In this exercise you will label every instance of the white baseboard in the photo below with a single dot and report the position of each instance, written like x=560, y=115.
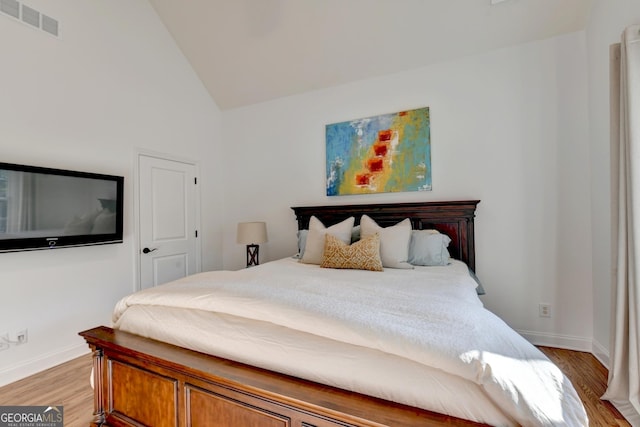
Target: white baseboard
x=601, y=353
x=560, y=341
x=569, y=342
x=32, y=366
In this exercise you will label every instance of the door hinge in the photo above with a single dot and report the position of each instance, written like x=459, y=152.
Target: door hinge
x=195, y=181
x=196, y=234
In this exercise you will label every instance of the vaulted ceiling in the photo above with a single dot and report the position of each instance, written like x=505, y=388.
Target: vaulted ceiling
x=250, y=51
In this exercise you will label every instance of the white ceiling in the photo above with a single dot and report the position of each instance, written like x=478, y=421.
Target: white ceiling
x=250, y=51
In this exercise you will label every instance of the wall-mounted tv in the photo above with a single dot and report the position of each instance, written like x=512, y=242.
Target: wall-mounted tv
x=44, y=208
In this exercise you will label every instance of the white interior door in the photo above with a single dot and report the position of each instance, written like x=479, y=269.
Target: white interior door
x=168, y=232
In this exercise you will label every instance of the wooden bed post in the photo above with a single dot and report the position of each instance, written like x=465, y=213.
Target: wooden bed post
x=98, y=387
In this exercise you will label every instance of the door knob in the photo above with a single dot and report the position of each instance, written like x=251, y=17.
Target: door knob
x=147, y=250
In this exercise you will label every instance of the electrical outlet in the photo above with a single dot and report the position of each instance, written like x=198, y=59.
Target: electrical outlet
x=544, y=310
x=22, y=337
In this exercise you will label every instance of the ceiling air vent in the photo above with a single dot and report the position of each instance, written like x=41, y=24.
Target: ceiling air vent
x=30, y=16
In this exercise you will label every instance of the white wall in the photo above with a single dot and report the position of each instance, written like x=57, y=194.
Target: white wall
x=508, y=127
x=607, y=20
x=114, y=82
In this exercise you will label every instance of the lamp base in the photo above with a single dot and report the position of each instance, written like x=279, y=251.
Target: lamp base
x=252, y=255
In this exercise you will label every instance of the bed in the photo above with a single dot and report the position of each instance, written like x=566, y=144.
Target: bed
x=249, y=348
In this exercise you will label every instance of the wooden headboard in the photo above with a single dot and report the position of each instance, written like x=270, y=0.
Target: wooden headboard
x=454, y=218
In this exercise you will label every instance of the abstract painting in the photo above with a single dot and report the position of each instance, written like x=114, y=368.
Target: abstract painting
x=380, y=154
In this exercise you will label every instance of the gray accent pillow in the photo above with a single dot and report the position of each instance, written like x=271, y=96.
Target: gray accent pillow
x=479, y=287
x=428, y=248
x=355, y=234
x=302, y=242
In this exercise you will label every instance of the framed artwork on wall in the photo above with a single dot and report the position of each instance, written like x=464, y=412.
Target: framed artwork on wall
x=379, y=154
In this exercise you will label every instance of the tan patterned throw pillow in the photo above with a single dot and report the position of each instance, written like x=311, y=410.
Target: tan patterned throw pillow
x=362, y=255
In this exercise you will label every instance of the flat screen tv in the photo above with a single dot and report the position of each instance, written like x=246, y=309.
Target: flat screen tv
x=44, y=208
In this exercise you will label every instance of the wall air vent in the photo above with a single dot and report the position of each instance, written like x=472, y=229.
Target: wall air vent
x=10, y=7
x=30, y=16
x=50, y=25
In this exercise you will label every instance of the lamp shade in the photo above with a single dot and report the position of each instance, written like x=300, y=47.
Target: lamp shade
x=250, y=233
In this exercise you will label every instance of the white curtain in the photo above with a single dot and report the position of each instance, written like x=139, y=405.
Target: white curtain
x=624, y=374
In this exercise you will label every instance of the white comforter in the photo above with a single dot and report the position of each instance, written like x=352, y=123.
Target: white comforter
x=429, y=316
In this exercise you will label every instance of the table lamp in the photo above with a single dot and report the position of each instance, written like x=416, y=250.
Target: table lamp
x=252, y=234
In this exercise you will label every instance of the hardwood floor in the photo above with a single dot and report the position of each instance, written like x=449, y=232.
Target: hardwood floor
x=589, y=378
x=68, y=385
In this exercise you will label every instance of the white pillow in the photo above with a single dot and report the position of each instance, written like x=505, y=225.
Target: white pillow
x=314, y=248
x=394, y=241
